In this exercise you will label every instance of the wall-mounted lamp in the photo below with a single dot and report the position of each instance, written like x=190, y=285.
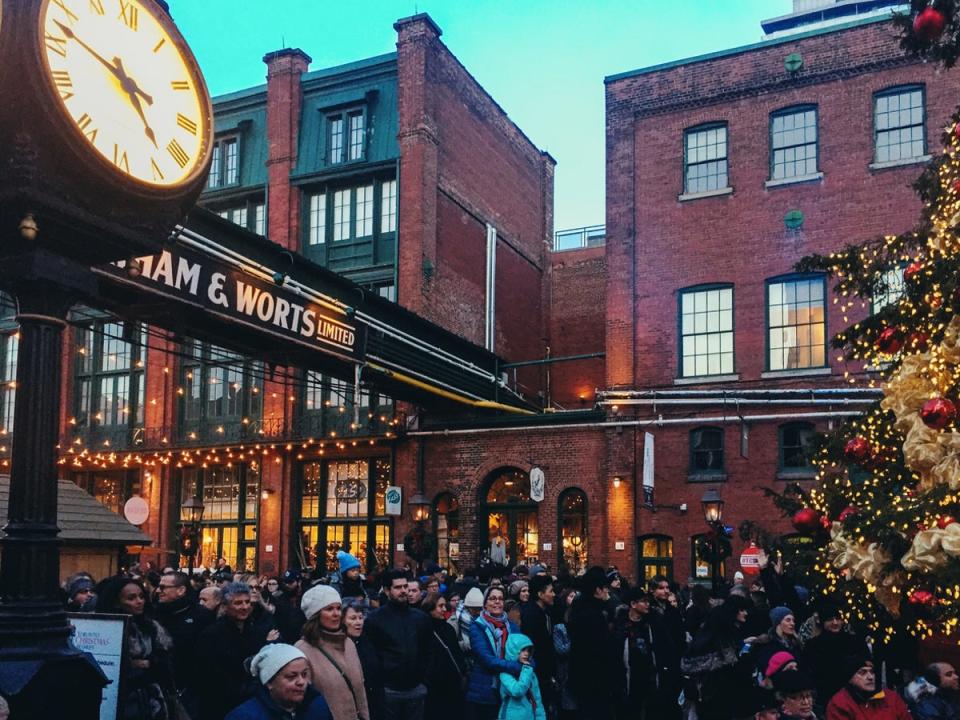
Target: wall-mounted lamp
x=617, y=481
x=266, y=493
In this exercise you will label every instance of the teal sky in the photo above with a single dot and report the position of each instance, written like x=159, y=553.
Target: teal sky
x=544, y=62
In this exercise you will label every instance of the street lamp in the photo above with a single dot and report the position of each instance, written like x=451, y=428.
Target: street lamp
x=191, y=515
x=419, y=506
x=712, y=505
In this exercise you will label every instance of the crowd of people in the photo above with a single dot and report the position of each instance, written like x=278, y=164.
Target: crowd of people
x=523, y=646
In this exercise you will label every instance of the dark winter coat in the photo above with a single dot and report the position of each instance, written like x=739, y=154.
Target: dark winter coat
x=262, y=707
x=147, y=692
x=184, y=620
x=445, y=673
x=221, y=649
x=937, y=706
x=483, y=684
x=649, y=659
x=593, y=659
x=824, y=656
x=716, y=677
x=769, y=644
x=372, y=677
x=401, y=636
x=289, y=618
x=536, y=624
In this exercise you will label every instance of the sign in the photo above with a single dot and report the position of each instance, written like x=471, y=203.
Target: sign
x=223, y=291
x=394, y=499
x=750, y=560
x=103, y=637
x=454, y=549
x=537, y=484
x=702, y=571
x=136, y=510
x=547, y=547
x=648, y=469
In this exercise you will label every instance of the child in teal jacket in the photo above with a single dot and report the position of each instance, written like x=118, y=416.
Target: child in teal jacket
x=520, y=696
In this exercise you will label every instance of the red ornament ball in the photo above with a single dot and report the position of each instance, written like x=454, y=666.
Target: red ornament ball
x=912, y=270
x=848, y=512
x=922, y=597
x=806, y=521
x=956, y=183
x=889, y=341
x=825, y=523
x=929, y=24
x=945, y=520
x=937, y=413
x=857, y=449
x=918, y=342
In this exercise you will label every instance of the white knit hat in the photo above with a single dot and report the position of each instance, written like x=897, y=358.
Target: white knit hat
x=474, y=598
x=272, y=659
x=317, y=598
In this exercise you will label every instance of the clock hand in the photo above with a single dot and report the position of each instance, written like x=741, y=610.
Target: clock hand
x=129, y=84
x=70, y=35
x=130, y=87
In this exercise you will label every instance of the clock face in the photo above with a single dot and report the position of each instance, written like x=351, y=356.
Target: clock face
x=130, y=86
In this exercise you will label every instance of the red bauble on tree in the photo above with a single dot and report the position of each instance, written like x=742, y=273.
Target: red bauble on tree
x=937, y=413
x=848, y=512
x=929, y=24
x=806, y=521
x=918, y=342
x=912, y=270
x=944, y=520
x=922, y=597
x=889, y=341
x=857, y=449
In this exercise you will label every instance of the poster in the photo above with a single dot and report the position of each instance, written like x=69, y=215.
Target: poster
x=648, y=469
x=102, y=637
x=394, y=497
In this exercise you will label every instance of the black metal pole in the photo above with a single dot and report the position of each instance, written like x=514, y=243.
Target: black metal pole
x=716, y=565
x=42, y=674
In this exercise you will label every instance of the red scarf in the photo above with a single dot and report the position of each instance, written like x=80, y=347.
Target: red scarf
x=504, y=629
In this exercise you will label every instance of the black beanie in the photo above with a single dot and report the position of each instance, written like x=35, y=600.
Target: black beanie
x=852, y=664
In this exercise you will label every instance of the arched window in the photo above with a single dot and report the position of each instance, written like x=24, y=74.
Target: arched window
x=706, y=451
x=572, y=516
x=446, y=526
x=656, y=557
x=796, y=451
x=508, y=519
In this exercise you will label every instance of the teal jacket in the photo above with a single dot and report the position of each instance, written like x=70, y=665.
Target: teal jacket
x=516, y=692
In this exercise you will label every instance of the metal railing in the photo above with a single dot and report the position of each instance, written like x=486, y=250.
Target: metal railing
x=577, y=238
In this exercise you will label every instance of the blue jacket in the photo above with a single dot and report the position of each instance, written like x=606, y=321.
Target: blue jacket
x=483, y=686
x=262, y=707
x=516, y=692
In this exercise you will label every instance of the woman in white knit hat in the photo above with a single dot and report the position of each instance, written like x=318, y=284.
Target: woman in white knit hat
x=333, y=657
x=285, y=692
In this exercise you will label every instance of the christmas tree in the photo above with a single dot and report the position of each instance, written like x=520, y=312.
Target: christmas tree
x=884, y=508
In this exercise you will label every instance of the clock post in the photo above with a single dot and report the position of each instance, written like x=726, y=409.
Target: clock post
x=104, y=148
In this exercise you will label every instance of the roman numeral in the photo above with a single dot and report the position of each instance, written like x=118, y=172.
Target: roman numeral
x=178, y=153
x=55, y=44
x=71, y=18
x=180, y=85
x=97, y=7
x=120, y=159
x=157, y=173
x=187, y=124
x=61, y=78
x=129, y=13
x=159, y=44
x=83, y=122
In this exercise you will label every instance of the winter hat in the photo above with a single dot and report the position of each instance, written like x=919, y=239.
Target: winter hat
x=490, y=589
x=291, y=575
x=272, y=659
x=347, y=561
x=778, y=614
x=78, y=585
x=738, y=577
x=317, y=598
x=754, y=700
x=828, y=610
x=474, y=598
x=432, y=568
x=778, y=661
x=852, y=664
x=796, y=681
x=537, y=570
x=516, y=587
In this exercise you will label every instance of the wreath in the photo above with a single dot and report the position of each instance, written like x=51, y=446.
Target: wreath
x=419, y=544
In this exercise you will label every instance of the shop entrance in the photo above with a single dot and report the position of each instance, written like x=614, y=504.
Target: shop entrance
x=509, y=520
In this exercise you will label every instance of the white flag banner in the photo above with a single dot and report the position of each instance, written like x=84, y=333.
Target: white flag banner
x=648, y=468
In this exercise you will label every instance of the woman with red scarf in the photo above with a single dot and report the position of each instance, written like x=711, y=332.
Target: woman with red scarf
x=488, y=646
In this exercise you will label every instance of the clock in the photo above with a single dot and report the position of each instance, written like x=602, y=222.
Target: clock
x=127, y=86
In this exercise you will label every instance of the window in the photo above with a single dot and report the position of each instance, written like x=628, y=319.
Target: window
x=335, y=138
x=898, y=119
x=109, y=381
x=796, y=447
x=793, y=143
x=508, y=519
x=796, y=323
x=446, y=527
x=573, y=529
x=656, y=557
x=343, y=507
x=259, y=219
x=889, y=289
x=317, y=223
x=224, y=163
x=387, y=291
x=327, y=408
x=341, y=215
x=249, y=215
x=356, y=135
x=9, y=346
x=706, y=451
x=111, y=488
x=230, y=496
x=705, y=159
x=388, y=206
x=220, y=394
x=364, y=224
x=701, y=552
x=706, y=332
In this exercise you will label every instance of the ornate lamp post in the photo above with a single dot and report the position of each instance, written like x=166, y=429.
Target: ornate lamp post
x=712, y=505
x=191, y=515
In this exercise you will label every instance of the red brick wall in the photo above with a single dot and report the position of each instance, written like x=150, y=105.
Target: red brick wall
x=577, y=325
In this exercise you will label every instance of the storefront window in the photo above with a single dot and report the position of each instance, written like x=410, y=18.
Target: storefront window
x=509, y=518
x=656, y=557
x=573, y=529
x=343, y=507
x=111, y=488
x=446, y=518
